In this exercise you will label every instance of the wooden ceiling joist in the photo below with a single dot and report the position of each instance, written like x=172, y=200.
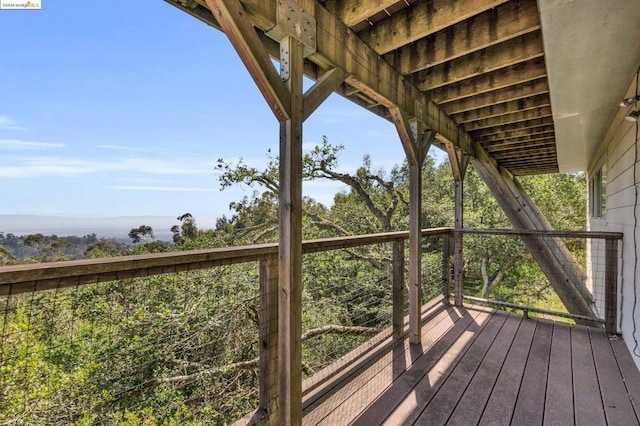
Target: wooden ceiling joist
x=512, y=93
x=472, y=70
x=537, y=152
x=514, y=129
x=353, y=12
x=520, y=134
x=515, y=51
x=509, y=119
x=504, y=108
x=503, y=78
x=419, y=20
x=491, y=27
x=517, y=141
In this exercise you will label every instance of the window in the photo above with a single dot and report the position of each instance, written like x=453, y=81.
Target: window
x=598, y=193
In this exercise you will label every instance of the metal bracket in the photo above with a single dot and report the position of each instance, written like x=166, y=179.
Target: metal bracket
x=293, y=21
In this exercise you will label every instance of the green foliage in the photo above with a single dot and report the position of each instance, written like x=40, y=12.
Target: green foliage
x=182, y=348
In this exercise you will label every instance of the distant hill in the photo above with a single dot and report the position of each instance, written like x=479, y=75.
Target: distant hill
x=103, y=227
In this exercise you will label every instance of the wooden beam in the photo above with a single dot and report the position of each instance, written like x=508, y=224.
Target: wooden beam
x=415, y=253
x=524, y=216
x=290, y=240
x=531, y=155
x=503, y=108
x=509, y=20
x=508, y=94
x=321, y=90
x=523, y=128
x=512, y=52
x=533, y=136
x=339, y=47
x=458, y=162
x=510, y=76
x=352, y=12
x=234, y=21
x=543, y=139
x=541, y=143
x=419, y=20
x=516, y=117
x=404, y=132
x=416, y=140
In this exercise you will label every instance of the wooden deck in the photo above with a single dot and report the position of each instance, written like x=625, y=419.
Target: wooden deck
x=486, y=367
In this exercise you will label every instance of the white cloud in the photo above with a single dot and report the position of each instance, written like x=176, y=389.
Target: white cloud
x=8, y=124
x=160, y=188
x=121, y=148
x=20, y=145
x=25, y=167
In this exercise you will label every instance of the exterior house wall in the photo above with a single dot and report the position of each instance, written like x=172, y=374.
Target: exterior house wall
x=618, y=152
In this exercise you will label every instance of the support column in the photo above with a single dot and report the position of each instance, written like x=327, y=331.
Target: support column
x=290, y=247
x=416, y=140
x=459, y=162
x=296, y=33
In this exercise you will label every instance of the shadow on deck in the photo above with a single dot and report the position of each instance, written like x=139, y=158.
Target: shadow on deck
x=482, y=366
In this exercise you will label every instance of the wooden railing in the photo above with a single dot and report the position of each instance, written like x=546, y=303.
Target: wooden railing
x=26, y=278
x=602, y=295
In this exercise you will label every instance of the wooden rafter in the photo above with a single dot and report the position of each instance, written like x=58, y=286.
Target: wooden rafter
x=518, y=134
x=496, y=97
x=505, y=77
x=491, y=27
x=507, y=144
x=504, y=108
x=421, y=19
x=509, y=118
x=512, y=52
x=352, y=12
x=233, y=20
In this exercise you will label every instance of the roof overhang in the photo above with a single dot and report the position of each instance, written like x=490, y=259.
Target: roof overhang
x=592, y=51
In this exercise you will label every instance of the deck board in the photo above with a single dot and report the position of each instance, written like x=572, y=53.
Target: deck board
x=617, y=406
x=559, y=403
x=479, y=366
x=501, y=404
x=380, y=374
x=471, y=405
x=630, y=374
x=442, y=404
x=399, y=389
x=530, y=404
x=430, y=383
x=587, y=401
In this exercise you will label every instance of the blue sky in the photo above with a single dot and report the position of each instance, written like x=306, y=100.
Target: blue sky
x=121, y=108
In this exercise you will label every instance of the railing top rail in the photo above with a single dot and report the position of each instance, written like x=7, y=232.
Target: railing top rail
x=568, y=234
x=42, y=276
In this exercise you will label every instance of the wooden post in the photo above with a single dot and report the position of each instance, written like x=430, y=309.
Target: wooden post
x=445, y=269
x=459, y=163
x=398, y=289
x=458, y=260
x=290, y=243
x=269, y=339
x=415, y=253
x=416, y=141
x=611, y=285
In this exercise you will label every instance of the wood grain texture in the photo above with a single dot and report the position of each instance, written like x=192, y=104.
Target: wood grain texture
x=471, y=405
x=587, y=399
x=529, y=408
x=500, y=406
x=558, y=409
